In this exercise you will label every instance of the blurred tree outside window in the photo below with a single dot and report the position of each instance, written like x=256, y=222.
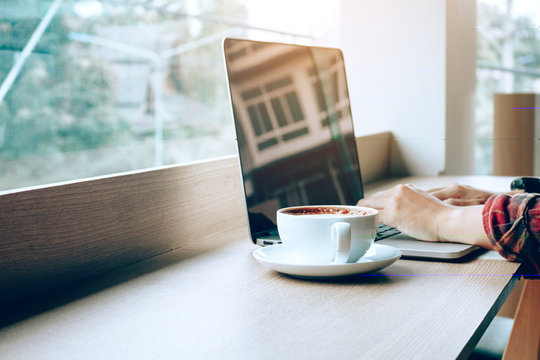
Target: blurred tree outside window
x=508, y=61
x=111, y=86
x=92, y=87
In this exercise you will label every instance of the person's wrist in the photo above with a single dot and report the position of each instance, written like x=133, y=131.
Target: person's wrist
x=445, y=220
x=453, y=225
x=463, y=224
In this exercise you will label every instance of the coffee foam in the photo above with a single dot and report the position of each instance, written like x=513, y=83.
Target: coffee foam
x=324, y=210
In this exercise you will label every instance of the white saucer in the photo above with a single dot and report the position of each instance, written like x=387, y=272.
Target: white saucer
x=278, y=258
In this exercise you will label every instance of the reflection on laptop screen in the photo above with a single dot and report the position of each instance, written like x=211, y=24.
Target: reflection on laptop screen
x=294, y=128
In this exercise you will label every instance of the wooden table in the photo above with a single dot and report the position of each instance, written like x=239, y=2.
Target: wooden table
x=213, y=300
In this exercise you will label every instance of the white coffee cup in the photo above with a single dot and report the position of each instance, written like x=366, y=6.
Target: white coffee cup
x=324, y=234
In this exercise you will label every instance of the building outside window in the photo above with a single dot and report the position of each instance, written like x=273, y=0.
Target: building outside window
x=337, y=91
x=274, y=109
x=294, y=149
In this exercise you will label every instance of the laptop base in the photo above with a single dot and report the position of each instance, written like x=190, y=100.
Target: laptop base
x=411, y=247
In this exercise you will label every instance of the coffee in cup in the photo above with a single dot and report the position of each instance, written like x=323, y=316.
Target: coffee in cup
x=326, y=234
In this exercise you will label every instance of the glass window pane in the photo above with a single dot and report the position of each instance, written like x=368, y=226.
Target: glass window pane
x=294, y=134
x=335, y=87
x=255, y=122
x=508, y=59
x=278, y=84
x=114, y=86
x=265, y=117
x=252, y=93
x=278, y=112
x=294, y=106
x=321, y=101
x=267, y=143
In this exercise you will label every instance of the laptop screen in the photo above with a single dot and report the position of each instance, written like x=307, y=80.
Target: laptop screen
x=293, y=126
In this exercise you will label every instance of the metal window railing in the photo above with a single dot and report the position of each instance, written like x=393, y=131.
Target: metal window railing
x=515, y=70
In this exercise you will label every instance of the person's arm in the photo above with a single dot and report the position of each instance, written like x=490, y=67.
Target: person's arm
x=464, y=225
x=509, y=224
x=512, y=224
x=425, y=217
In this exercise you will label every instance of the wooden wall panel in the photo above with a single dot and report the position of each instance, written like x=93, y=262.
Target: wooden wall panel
x=54, y=235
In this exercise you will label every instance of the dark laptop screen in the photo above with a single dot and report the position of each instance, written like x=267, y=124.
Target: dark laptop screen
x=294, y=128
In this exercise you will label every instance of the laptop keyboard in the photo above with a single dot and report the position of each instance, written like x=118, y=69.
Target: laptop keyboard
x=385, y=231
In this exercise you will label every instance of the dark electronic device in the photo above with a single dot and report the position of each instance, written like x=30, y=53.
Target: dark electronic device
x=527, y=184
x=295, y=137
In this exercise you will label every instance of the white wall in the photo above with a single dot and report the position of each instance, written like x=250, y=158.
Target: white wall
x=396, y=57
x=460, y=86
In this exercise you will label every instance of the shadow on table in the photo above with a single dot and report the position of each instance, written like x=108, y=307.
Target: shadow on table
x=384, y=276
x=15, y=312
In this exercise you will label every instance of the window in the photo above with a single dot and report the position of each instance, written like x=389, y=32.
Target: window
x=508, y=61
x=337, y=89
x=275, y=111
x=92, y=87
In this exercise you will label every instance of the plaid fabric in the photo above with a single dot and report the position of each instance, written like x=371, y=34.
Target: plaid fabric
x=512, y=224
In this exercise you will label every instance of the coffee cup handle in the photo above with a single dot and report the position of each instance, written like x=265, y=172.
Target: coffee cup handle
x=341, y=233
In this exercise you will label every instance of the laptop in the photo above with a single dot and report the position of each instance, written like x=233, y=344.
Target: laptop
x=295, y=137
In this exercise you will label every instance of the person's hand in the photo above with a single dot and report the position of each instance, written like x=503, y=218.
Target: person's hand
x=410, y=210
x=461, y=195
x=425, y=217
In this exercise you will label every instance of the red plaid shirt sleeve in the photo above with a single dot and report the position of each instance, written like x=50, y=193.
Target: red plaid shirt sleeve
x=512, y=224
